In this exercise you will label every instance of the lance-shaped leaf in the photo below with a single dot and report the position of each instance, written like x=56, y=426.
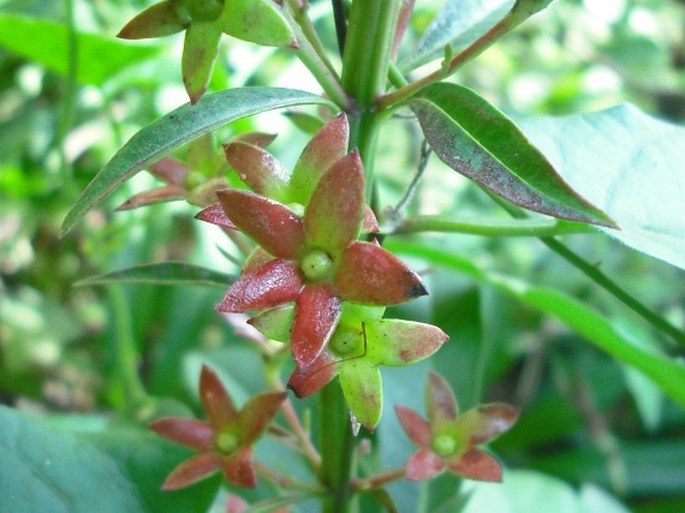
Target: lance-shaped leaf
x=459, y=23
x=163, y=273
x=224, y=440
x=474, y=138
x=177, y=128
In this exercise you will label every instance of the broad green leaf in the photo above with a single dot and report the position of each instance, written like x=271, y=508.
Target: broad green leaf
x=474, y=138
x=45, y=468
x=177, y=128
x=45, y=42
x=628, y=164
x=667, y=373
x=459, y=23
x=524, y=491
x=163, y=273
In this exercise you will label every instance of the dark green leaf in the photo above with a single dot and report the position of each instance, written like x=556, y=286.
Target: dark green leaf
x=45, y=42
x=163, y=273
x=477, y=140
x=177, y=128
x=628, y=164
x=459, y=23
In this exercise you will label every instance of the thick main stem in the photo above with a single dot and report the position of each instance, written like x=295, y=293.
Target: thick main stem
x=336, y=444
x=366, y=56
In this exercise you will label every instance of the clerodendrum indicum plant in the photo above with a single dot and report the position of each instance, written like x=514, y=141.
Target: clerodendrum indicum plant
x=317, y=279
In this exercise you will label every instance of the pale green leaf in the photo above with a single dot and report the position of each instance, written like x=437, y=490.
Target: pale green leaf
x=177, y=128
x=628, y=164
x=459, y=23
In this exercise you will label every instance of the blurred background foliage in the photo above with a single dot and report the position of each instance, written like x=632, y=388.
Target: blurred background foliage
x=71, y=94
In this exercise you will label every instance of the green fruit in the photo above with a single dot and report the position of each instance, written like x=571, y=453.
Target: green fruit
x=204, y=10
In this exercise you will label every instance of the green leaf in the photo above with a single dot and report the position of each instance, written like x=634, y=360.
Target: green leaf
x=459, y=23
x=163, y=273
x=628, y=164
x=667, y=373
x=474, y=138
x=525, y=491
x=177, y=128
x=45, y=42
x=43, y=468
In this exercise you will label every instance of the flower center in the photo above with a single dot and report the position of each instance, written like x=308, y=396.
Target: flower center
x=444, y=445
x=345, y=342
x=204, y=10
x=316, y=265
x=227, y=442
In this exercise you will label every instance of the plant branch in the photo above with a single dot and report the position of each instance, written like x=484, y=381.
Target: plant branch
x=495, y=228
x=519, y=13
x=601, y=279
x=299, y=13
x=337, y=444
x=340, y=24
x=285, y=482
x=300, y=433
x=379, y=479
x=308, y=55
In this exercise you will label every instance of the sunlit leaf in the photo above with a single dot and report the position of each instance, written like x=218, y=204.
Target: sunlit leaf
x=459, y=23
x=46, y=42
x=163, y=273
x=628, y=164
x=474, y=138
x=177, y=128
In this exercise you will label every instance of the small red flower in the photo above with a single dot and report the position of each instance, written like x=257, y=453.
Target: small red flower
x=449, y=440
x=318, y=261
x=225, y=440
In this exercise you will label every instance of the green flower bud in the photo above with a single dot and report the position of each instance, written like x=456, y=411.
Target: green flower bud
x=227, y=442
x=317, y=265
x=444, y=445
x=346, y=342
x=204, y=10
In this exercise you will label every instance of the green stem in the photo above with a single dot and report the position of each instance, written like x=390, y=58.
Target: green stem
x=66, y=117
x=614, y=289
x=366, y=55
x=125, y=350
x=336, y=443
x=365, y=71
x=513, y=19
x=600, y=278
x=520, y=228
x=308, y=55
x=309, y=32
